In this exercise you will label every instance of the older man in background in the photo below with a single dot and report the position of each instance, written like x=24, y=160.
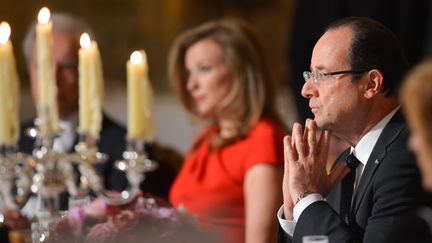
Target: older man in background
x=67, y=30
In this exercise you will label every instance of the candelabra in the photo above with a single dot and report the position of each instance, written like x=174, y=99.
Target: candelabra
x=16, y=171
x=135, y=163
x=48, y=173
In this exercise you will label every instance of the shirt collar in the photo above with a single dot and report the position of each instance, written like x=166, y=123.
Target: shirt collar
x=364, y=147
x=66, y=139
x=70, y=123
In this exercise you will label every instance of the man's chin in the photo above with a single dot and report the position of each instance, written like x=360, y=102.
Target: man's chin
x=65, y=115
x=321, y=124
x=62, y=114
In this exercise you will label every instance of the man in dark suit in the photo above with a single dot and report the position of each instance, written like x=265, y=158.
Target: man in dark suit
x=356, y=67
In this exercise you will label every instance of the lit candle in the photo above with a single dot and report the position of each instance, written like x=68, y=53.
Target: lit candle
x=140, y=98
x=90, y=87
x=47, y=98
x=9, y=91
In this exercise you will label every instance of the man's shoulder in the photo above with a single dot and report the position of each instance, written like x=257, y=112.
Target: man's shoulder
x=391, y=149
x=395, y=133
x=111, y=126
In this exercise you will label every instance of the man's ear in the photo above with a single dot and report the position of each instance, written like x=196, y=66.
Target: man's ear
x=375, y=83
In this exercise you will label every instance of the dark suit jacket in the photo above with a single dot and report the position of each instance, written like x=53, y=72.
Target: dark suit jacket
x=415, y=227
x=113, y=143
x=390, y=186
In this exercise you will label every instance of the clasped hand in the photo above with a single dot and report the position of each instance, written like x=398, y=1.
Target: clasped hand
x=305, y=165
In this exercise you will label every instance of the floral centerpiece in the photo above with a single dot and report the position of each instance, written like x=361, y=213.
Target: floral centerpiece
x=145, y=219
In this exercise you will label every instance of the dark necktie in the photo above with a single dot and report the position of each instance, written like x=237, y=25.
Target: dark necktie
x=347, y=186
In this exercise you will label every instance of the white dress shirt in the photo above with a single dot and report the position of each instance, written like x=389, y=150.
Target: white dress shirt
x=362, y=151
x=65, y=141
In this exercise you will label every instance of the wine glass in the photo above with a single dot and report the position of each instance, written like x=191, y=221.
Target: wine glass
x=315, y=239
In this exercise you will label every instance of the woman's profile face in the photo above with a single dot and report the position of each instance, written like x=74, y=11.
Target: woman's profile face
x=423, y=151
x=209, y=78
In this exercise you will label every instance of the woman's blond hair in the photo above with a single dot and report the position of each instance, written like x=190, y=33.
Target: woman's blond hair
x=252, y=94
x=416, y=97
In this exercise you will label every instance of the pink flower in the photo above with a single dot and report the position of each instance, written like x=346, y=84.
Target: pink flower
x=145, y=216
x=126, y=219
x=73, y=223
x=103, y=232
x=97, y=209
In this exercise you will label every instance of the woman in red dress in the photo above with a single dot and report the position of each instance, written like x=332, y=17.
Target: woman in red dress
x=231, y=178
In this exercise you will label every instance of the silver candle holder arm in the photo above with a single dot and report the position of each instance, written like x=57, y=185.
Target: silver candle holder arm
x=53, y=172
x=48, y=173
x=16, y=171
x=135, y=163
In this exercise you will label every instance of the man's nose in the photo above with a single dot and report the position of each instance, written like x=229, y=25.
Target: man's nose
x=309, y=89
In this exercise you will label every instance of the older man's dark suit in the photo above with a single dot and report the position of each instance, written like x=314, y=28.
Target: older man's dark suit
x=389, y=186
x=112, y=142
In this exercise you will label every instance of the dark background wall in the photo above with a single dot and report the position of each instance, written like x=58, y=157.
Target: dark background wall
x=287, y=28
x=122, y=26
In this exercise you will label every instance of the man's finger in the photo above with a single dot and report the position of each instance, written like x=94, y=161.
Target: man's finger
x=298, y=139
x=289, y=153
x=311, y=135
x=305, y=137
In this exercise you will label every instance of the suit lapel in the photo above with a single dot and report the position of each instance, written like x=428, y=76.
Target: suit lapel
x=389, y=134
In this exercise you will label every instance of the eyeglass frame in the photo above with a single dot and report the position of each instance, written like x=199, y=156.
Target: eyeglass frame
x=312, y=74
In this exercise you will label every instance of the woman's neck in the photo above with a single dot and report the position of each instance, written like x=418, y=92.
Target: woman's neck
x=228, y=128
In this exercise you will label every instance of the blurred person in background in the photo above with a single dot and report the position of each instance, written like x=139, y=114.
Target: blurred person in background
x=231, y=176
x=416, y=97
x=67, y=30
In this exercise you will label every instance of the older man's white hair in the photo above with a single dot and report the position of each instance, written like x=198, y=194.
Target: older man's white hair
x=62, y=22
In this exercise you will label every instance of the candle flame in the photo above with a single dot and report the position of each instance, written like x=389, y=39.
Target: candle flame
x=5, y=32
x=85, y=41
x=136, y=57
x=44, y=15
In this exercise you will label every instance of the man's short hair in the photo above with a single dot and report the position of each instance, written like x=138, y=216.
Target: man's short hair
x=374, y=46
x=61, y=22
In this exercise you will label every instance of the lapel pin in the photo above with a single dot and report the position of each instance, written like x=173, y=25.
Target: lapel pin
x=377, y=161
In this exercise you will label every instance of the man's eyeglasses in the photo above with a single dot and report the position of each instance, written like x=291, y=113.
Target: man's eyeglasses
x=318, y=76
